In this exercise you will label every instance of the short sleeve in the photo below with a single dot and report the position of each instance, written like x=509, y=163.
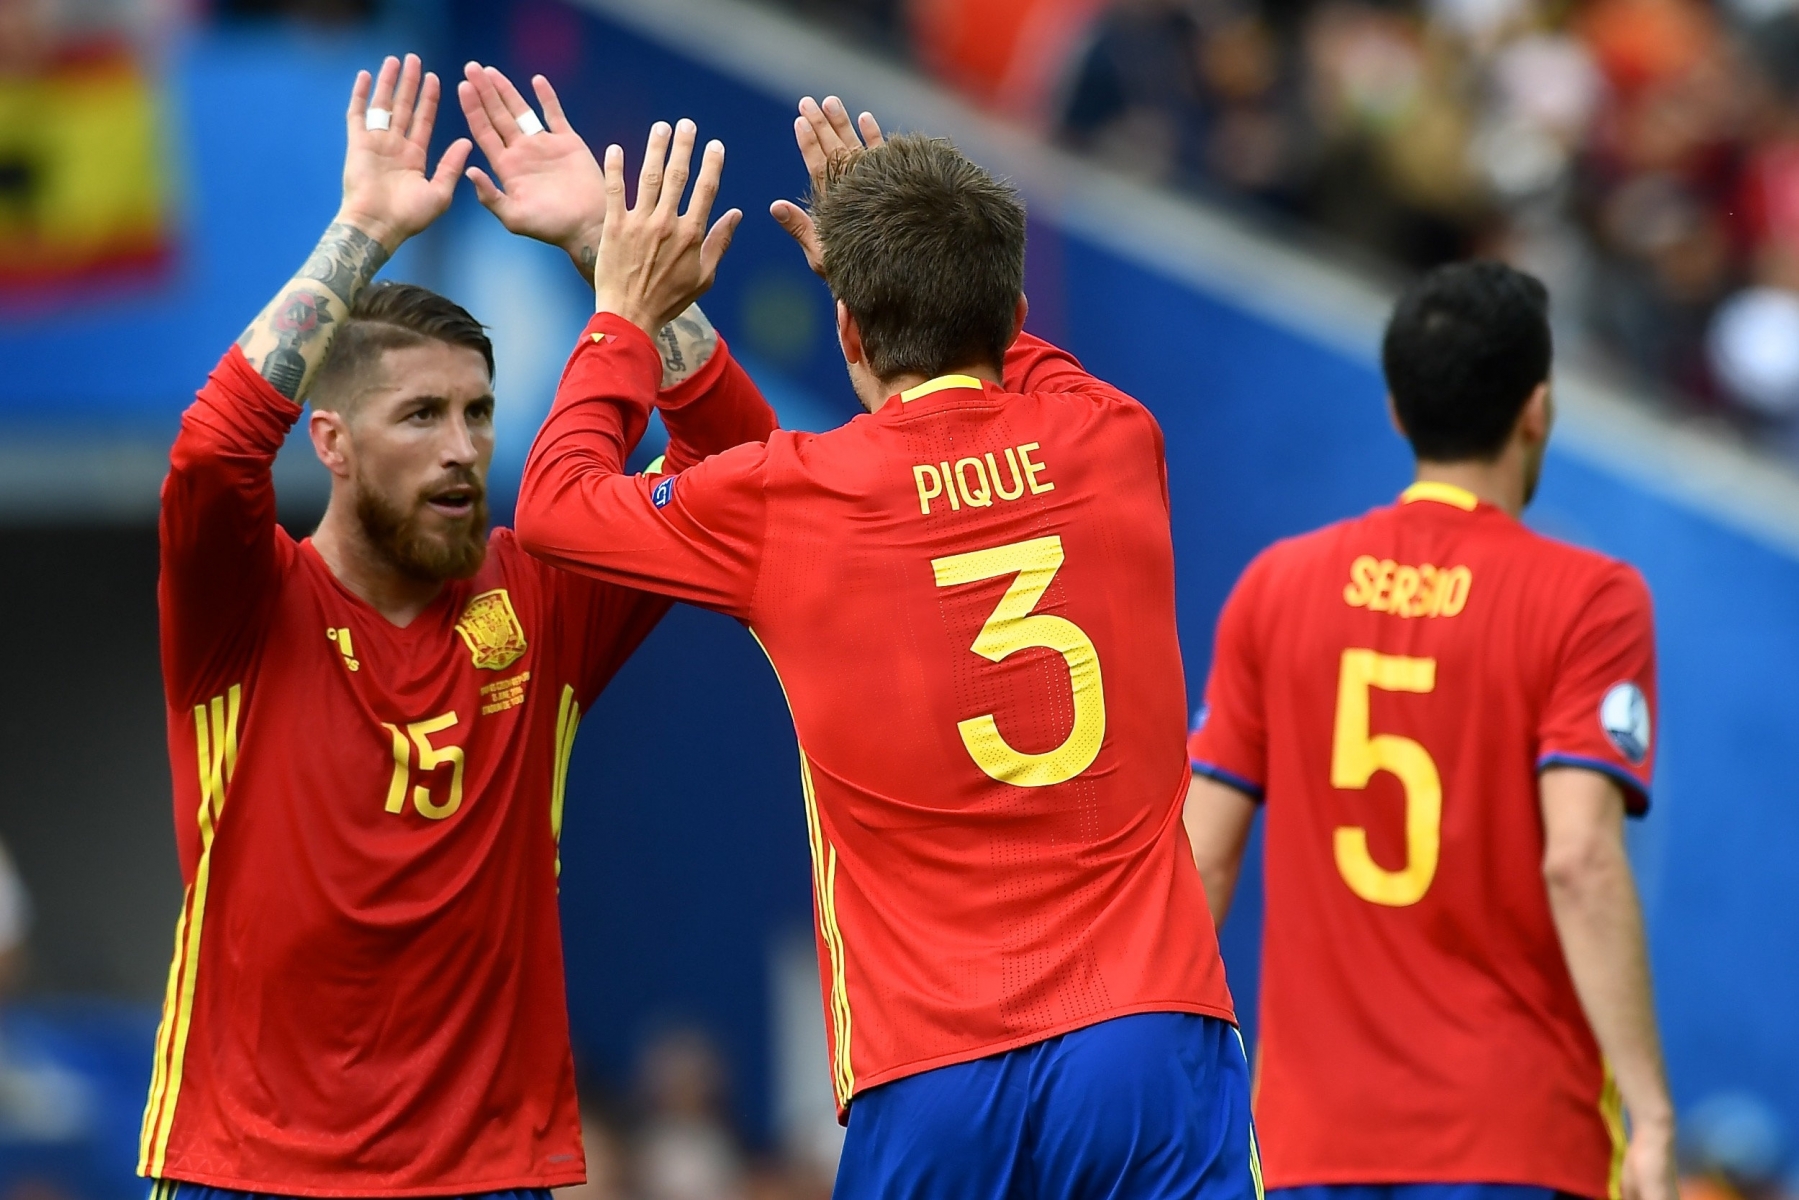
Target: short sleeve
x=1229, y=742
x=1601, y=709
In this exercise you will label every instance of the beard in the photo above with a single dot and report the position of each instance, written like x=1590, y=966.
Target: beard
x=399, y=534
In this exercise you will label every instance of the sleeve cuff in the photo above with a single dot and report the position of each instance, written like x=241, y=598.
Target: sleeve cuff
x=1228, y=779
x=1636, y=792
x=697, y=384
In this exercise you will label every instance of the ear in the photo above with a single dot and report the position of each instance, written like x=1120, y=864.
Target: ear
x=1393, y=417
x=330, y=441
x=848, y=335
x=1538, y=415
x=1019, y=313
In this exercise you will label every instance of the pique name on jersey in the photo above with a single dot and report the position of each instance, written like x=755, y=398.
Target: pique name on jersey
x=1427, y=590
x=979, y=482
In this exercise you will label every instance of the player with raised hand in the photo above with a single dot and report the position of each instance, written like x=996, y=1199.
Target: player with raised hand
x=370, y=728
x=1447, y=717
x=968, y=595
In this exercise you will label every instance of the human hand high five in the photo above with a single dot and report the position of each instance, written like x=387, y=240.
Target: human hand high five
x=823, y=132
x=655, y=260
x=550, y=186
x=387, y=194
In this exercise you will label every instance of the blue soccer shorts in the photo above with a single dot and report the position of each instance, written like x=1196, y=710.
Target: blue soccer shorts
x=169, y=1189
x=1418, y=1191
x=1147, y=1107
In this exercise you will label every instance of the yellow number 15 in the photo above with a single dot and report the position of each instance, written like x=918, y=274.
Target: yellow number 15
x=1014, y=627
x=1356, y=755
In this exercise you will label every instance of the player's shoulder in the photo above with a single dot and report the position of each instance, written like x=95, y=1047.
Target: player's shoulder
x=1312, y=550
x=1578, y=573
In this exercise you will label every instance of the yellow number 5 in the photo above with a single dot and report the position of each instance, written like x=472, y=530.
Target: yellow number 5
x=1014, y=627
x=430, y=758
x=1356, y=756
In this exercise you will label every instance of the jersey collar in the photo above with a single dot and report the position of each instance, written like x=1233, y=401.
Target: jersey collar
x=942, y=383
x=1442, y=493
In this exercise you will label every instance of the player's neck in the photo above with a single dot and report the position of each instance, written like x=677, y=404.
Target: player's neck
x=1500, y=482
x=359, y=566
x=891, y=387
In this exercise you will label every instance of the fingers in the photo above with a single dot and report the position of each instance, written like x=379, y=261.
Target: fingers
x=655, y=159
x=674, y=178
x=479, y=124
x=554, y=118
x=871, y=130
x=406, y=94
x=383, y=95
x=488, y=192
x=359, y=100
x=841, y=125
x=450, y=166
x=718, y=240
x=426, y=115
x=798, y=224
x=615, y=187
x=505, y=125
x=812, y=151
x=516, y=105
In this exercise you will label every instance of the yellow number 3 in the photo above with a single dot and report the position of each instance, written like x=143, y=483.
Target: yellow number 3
x=1014, y=627
x=1356, y=756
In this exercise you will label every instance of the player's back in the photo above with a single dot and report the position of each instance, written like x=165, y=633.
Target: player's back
x=969, y=597
x=1416, y=668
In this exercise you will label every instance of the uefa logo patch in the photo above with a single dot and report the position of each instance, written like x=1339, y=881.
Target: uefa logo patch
x=663, y=492
x=1624, y=715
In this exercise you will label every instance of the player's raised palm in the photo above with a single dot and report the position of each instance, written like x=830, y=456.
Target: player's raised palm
x=549, y=186
x=655, y=260
x=387, y=192
x=823, y=132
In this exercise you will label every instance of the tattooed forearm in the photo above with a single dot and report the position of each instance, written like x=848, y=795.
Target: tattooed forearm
x=287, y=341
x=687, y=343
x=345, y=260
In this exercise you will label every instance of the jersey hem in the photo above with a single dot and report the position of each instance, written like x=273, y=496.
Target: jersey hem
x=1366, y=1178
x=447, y=1188
x=1228, y=779
x=957, y=1057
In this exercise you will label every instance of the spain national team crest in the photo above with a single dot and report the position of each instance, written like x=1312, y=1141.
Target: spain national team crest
x=491, y=629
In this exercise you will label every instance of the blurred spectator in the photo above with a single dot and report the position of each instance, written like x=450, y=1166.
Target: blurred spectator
x=1733, y=1148
x=685, y=1149
x=1642, y=156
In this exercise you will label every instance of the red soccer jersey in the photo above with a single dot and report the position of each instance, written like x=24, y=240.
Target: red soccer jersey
x=1393, y=684
x=367, y=995
x=969, y=599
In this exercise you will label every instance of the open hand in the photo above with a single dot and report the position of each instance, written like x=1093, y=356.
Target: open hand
x=553, y=189
x=386, y=191
x=823, y=133
x=654, y=260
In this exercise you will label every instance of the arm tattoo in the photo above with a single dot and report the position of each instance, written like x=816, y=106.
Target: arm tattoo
x=687, y=343
x=345, y=260
x=298, y=319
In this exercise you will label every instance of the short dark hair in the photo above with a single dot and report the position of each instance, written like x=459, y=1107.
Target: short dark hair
x=391, y=316
x=926, y=250
x=1467, y=345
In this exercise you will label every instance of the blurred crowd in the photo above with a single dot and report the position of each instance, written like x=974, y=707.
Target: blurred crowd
x=1642, y=156
x=671, y=1137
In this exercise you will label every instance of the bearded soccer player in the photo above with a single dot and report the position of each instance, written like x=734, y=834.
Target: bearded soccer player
x=968, y=595
x=370, y=728
x=1448, y=717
